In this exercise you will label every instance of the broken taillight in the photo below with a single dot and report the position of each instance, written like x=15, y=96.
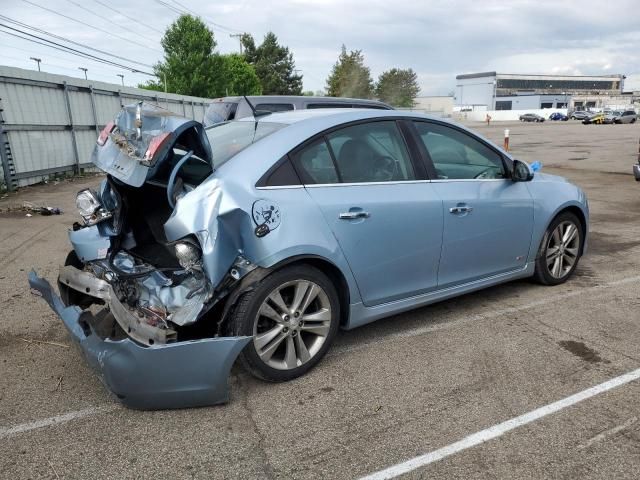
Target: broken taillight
x=155, y=144
x=104, y=134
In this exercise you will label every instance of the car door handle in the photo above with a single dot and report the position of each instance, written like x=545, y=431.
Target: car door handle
x=456, y=210
x=354, y=215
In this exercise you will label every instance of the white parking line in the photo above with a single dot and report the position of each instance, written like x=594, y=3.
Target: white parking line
x=500, y=429
x=6, y=432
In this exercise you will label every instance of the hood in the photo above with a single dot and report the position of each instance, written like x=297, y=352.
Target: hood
x=134, y=146
x=547, y=177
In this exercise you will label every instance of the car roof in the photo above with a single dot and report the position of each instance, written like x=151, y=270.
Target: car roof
x=339, y=115
x=305, y=98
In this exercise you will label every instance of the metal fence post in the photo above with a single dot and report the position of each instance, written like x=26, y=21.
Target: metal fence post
x=184, y=109
x=76, y=168
x=193, y=111
x=5, y=149
x=93, y=109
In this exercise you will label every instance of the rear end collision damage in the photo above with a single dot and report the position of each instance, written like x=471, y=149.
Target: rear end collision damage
x=146, y=268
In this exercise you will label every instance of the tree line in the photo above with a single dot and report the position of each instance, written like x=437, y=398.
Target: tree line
x=192, y=66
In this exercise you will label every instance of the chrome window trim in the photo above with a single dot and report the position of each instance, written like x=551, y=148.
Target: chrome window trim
x=397, y=182
x=356, y=184
x=279, y=187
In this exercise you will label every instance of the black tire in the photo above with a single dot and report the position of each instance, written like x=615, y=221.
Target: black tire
x=245, y=321
x=69, y=296
x=542, y=273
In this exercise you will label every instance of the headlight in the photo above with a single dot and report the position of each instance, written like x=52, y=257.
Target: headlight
x=90, y=207
x=189, y=256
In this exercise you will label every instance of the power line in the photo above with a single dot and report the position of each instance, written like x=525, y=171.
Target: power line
x=231, y=30
x=183, y=11
x=136, y=20
x=101, y=17
x=91, y=26
x=44, y=32
x=64, y=48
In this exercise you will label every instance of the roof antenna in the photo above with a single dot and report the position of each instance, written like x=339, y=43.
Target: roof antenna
x=256, y=113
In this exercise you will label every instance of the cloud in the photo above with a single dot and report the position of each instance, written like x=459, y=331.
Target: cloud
x=438, y=39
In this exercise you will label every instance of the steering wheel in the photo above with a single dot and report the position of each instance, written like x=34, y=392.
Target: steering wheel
x=484, y=173
x=384, y=168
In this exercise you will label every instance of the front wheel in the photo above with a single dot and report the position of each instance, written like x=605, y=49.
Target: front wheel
x=559, y=250
x=293, y=316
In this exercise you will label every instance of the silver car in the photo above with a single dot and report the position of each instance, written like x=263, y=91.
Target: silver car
x=628, y=116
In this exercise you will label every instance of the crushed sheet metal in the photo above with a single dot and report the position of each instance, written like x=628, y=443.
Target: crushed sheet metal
x=178, y=375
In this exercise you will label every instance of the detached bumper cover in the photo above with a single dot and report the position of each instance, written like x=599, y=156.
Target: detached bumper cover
x=178, y=375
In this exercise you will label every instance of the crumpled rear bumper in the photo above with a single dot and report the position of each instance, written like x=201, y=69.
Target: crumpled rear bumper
x=177, y=375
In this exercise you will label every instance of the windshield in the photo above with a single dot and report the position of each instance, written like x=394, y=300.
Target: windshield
x=228, y=139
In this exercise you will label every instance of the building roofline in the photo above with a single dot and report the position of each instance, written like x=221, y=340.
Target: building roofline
x=496, y=74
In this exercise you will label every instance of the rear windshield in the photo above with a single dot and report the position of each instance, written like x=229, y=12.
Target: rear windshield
x=230, y=138
x=219, y=112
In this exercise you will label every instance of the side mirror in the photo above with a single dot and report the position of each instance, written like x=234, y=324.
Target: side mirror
x=521, y=172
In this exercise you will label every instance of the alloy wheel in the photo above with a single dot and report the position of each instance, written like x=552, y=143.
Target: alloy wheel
x=562, y=249
x=292, y=324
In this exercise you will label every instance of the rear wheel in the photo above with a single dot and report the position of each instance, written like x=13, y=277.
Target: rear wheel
x=293, y=317
x=559, y=250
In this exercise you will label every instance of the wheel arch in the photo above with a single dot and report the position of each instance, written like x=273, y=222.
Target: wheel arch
x=330, y=270
x=579, y=213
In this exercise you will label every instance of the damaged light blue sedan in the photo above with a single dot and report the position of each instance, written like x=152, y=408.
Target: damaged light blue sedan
x=261, y=237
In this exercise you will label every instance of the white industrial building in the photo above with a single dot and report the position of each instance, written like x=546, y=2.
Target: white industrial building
x=501, y=91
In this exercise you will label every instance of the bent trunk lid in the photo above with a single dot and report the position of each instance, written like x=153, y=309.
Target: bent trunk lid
x=142, y=138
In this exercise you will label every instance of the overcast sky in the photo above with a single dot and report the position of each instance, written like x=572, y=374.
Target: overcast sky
x=438, y=39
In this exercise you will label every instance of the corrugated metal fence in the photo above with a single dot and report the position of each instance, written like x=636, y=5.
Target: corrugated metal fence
x=49, y=123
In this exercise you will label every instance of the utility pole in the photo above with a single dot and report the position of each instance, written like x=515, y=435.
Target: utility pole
x=85, y=72
x=37, y=60
x=121, y=78
x=239, y=37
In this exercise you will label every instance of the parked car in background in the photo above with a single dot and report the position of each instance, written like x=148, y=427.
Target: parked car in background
x=610, y=117
x=580, y=115
x=233, y=108
x=628, y=116
x=531, y=117
x=558, y=116
x=594, y=118
x=261, y=237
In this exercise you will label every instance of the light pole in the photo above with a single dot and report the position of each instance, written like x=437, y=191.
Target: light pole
x=239, y=37
x=37, y=60
x=121, y=78
x=85, y=72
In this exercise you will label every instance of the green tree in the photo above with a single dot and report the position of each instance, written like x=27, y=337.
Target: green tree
x=192, y=67
x=398, y=87
x=350, y=77
x=235, y=77
x=189, y=59
x=273, y=64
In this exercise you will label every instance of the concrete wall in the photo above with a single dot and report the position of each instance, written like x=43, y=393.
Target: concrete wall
x=443, y=106
x=49, y=123
x=507, y=115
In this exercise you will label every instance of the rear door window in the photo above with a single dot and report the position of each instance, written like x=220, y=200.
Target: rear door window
x=315, y=164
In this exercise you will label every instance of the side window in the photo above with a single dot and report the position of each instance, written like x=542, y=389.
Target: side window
x=314, y=163
x=371, y=152
x=274, y=107
x=282, y=176
x=457, y=155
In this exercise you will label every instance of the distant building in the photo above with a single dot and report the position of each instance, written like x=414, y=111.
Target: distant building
x=436, y=105
x=505, y=91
